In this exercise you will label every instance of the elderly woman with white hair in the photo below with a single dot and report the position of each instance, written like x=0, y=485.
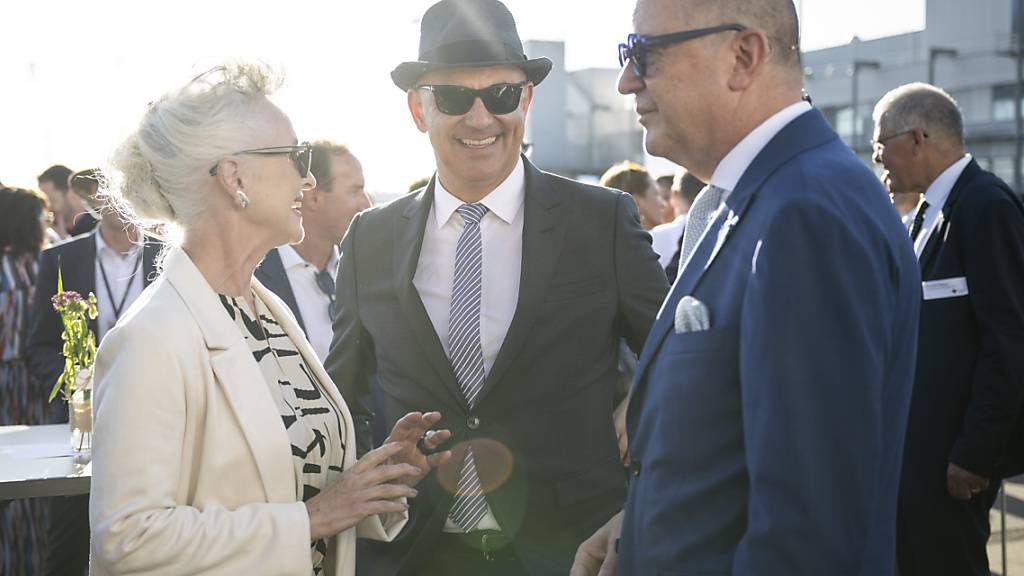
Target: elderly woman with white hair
x=221, y=446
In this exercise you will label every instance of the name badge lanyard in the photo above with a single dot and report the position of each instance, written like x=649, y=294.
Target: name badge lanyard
x=118, y=308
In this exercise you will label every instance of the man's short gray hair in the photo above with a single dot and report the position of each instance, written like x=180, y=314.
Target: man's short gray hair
x=778, y=19
x=922, y=106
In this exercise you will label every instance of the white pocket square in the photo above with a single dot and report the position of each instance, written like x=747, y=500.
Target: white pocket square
x=691, y=316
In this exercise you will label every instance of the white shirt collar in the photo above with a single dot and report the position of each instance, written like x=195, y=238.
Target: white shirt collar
x=505, y=201
x=291, y=258
x=101, y=246
x=729, y=171
x=940, y=188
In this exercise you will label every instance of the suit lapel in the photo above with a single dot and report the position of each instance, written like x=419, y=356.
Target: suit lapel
x=236, y=373
x=937, y=237
x=272, y=274
x=686, y=283
x=85, y=268
x=807, y=131
x=543, y=232
x=409, y=228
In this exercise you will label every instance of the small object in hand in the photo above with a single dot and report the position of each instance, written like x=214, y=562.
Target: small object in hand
x=421, y=444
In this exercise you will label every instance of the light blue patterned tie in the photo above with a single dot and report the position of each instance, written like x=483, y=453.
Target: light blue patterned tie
x=698, y=218
x=466, y=353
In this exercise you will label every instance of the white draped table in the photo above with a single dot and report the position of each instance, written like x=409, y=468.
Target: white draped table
x=38, y=461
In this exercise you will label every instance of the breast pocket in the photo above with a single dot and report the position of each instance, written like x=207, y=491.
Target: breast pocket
x=701, y=342
x=574, y=289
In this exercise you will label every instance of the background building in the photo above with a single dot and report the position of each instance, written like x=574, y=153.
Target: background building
x=967, y=48
x=579, y=124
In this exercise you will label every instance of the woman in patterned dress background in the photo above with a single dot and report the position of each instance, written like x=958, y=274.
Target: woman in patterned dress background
x=220, y=444
x=23, y=224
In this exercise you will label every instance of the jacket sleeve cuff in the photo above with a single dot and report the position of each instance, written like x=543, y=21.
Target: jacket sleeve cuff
x=976, y=457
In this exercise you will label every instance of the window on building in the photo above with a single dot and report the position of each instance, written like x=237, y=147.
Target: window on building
x=841, y=119
x=1002, y=166
x=1002, y=103
x=1015, y=17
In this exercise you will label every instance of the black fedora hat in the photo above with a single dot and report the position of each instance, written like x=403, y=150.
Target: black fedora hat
x=468, y=34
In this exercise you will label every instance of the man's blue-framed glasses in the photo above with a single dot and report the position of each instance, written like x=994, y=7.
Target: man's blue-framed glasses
x=634, y=50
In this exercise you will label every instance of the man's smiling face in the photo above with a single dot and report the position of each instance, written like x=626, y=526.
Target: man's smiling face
x=476, y=150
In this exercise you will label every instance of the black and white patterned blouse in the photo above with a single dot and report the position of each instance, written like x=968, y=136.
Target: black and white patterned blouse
x=313, y=423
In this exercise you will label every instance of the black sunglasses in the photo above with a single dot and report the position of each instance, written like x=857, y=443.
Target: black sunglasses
x=301, y=156
x=325, y=283
x=499, y=99
x=634, y=50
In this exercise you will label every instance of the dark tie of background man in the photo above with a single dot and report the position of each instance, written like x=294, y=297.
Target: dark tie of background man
x=915, y=226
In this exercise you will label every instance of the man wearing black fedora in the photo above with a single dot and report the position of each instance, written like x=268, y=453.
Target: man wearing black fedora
x=496, y=295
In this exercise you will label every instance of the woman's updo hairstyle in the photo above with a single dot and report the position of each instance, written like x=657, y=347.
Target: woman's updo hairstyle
x=159, y=168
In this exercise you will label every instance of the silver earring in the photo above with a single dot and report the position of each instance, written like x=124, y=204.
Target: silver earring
x=243, y=200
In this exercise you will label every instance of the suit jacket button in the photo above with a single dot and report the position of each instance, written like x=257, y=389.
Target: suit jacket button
x=472, y=423
x=634, y=467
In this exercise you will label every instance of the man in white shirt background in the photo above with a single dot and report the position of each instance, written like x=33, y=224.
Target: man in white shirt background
x=664, y=185
x=303, y=274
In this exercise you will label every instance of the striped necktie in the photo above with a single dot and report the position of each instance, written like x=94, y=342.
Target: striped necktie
x=466, y=354
x=698, y=218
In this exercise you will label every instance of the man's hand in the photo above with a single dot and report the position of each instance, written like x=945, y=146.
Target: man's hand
x=964, y=485
x=596, y=556
x=619, y=417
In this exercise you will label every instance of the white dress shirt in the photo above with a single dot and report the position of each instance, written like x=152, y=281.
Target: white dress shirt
x=936, y=196
x=665, y=239
x=732, y=167
x=312, y=302
x=908, y=218
x=501, y=231
x=729, y=171
x=125, y=277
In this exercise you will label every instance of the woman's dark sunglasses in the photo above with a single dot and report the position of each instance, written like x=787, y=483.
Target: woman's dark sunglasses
x=499, y=99
x=301, y=156
x=635, y=48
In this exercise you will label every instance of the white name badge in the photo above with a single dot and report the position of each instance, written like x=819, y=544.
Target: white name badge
x=945, y=288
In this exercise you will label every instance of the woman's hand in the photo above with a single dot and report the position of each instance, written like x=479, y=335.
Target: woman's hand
x=597, y=555
x=408, y=432
x=367, y=488
x=619, y=418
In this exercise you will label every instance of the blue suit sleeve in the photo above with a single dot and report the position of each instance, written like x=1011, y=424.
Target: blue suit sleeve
x=814, y=335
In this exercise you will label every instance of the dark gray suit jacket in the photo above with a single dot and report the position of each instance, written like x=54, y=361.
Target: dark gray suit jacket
x=271, y=273
x=542, y=430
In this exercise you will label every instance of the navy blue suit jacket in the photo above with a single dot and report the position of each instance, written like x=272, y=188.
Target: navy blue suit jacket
x=771, y=442
x=272, y=274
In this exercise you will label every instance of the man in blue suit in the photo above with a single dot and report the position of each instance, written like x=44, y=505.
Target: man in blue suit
x=767, y=417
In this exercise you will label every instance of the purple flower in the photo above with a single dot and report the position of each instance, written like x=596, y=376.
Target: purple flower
x=65, y=299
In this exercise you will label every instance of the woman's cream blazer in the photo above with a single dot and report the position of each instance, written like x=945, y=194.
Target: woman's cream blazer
x=192, y=469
